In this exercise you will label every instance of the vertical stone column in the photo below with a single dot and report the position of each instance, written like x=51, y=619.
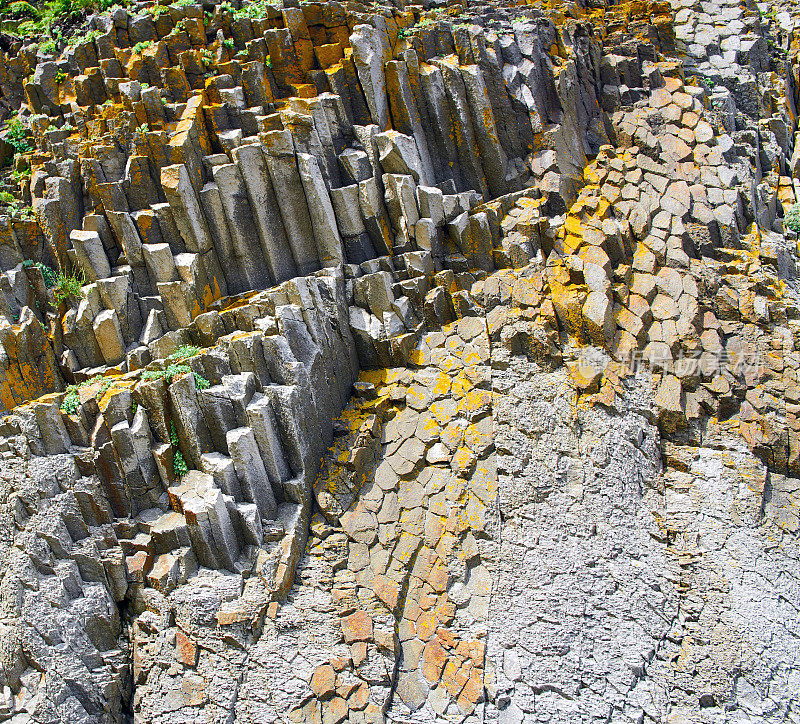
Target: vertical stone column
x=406, y=116
x=271, y=232
x=492, y=155
x=233, y=268
x=442, y=128
x=370, y=52
x=251, y=471
x=281, y=160
x=465, y=141
x=247, y=254
x=326, y=232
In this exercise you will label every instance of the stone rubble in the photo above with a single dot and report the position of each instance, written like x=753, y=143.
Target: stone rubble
x=431, y=363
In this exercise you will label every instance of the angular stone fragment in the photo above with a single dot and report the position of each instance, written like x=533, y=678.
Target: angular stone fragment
x=251, y=471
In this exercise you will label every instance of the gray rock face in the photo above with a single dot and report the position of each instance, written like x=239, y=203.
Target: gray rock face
x=584, y=571
x=375, y=364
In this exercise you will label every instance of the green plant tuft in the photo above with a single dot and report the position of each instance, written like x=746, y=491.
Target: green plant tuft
x=15, y=134
x=156, y=10
x=253, y=10
x=22, y=9
x=21, y=174
x=68, y=286
x=20, y=211
x=71, y=401
x=185, y=351
x=792, y=219
x=144, y=45
x=171, y=371
x=83, y=38
x=179, y=466
x=50, y=277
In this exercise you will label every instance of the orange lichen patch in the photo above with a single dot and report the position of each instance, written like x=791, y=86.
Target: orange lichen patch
x=224, y=305
x=108, y=387
x=380, y=377
x=25, y=380
x=211, y=293
x=786, y=193
x=304, y=90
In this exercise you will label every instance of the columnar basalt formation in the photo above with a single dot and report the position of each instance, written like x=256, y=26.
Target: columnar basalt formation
x=400, y=363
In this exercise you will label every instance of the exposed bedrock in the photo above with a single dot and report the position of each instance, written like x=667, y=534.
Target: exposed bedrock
x=400, y=363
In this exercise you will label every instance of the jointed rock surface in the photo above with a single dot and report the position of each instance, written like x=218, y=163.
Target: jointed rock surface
x=401, y=363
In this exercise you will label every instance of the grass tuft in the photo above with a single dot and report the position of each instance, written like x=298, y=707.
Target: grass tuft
x=792, y=219
x=68, y=286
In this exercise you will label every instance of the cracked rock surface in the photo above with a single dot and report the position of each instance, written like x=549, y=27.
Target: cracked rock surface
x=411, y=363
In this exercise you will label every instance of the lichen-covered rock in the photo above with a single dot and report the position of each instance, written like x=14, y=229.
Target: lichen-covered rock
x=401, y=363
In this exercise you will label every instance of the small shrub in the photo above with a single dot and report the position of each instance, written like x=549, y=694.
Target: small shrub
x=792, y=219
x=50, y=277
x=144, y=45
x=15, y=134
x=6, y=198
x=104, y=385
x=21, y=212
x=48, y=46
x=174, y=370
x=253, y=10
x=22, y=9
x=68, y=286
x=88, y=36
x=156, y=10
x=28, y=28
x=60, y=77
x=171, y=371
x=71, y=401
x=229, y=44
x=184, y=352
x=179, y=466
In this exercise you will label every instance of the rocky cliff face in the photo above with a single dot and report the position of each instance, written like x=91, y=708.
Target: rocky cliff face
x=401, y=363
